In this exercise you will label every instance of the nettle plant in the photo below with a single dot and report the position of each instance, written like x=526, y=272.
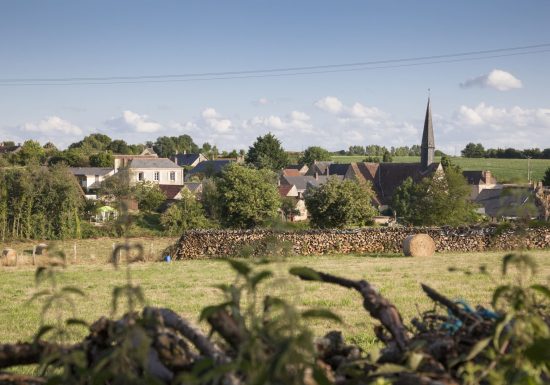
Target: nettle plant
x=518, y=351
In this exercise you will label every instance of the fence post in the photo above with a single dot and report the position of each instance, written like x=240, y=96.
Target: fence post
x=34, y=255
x=151, y=251
x=74, y=252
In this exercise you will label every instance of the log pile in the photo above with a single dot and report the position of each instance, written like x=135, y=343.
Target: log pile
x=224, y=243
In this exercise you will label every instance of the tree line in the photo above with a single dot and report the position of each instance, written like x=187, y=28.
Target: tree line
x=476, y=150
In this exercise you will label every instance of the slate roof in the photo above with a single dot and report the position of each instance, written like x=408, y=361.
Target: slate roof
x=478, y=177
x=338, y=168
x=211, y=167
x=186, y=159
x=322, y=179
x=101, y=171
x=299, y=181
x=156, y=163
x=508, y=202
x=194, y=187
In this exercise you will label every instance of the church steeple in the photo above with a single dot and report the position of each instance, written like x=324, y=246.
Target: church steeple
x=427, y=149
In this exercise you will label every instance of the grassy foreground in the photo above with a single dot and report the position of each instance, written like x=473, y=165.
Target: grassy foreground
x=505, y=170
x=187, y=286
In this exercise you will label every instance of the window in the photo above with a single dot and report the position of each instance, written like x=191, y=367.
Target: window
x=172, y=176
x=156, y=176
x=140, y=176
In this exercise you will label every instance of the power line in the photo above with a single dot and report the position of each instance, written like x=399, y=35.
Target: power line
x=277, y=72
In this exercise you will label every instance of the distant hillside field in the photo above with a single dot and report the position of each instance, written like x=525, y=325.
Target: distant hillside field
x=505, y=170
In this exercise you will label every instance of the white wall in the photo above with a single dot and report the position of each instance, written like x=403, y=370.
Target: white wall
x=164, y=175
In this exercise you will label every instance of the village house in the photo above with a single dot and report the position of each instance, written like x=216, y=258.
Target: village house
x=290, y=191
x=157, y=170
x=479, y=181
x=90, y=178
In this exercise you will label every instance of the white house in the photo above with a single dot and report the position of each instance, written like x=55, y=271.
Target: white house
x=90, y=178
x=157, y=170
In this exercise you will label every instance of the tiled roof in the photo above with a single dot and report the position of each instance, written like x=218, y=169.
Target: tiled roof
x=156, y=163
x=285, y=189
x=101, y=171
x=170, y=190
x=291, y=172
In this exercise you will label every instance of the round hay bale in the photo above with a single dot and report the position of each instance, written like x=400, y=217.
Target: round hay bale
x=9, y=257
x=419, y=245
x=41, y=249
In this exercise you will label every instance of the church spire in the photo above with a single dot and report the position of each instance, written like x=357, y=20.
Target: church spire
x=427, y=149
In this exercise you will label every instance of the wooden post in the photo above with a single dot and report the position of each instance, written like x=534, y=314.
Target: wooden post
x=74, y=252
x=16, y=258
x=34, y=255
x=151, y=251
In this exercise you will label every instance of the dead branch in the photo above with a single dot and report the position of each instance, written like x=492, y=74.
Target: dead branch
x=201, y=342
x=227, y=327
x=453, y=307
x=377, y=306
x=28, y=353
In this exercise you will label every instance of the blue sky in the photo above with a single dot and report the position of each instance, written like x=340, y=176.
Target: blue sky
x=500, y=101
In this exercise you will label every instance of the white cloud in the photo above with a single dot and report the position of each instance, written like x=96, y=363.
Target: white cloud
x=330, y=104
x=133, y=121
x=498, y=79
x=212, y=119
x=296, y=120
x=52, y=125
x=516, y=126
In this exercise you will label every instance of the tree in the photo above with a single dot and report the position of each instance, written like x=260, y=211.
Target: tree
x=267, y=152
x=102, y=159
x=92, y=143
x=149, y=195
x=473, y=151
x=117, y=185
x=247, y=197
x=30, y=152
x=184, y=215
x=387, y=158
x=339, y=204
x=314, y=153
x=288, y=208
x=546, y=179
x=442, y=199
x=119, y=146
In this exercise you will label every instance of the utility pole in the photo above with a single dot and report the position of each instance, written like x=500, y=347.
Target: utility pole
x=529, y=169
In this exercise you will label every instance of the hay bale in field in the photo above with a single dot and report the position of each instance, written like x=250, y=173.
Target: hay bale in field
x=41, y=249
x=9, y=257
x=419, y=245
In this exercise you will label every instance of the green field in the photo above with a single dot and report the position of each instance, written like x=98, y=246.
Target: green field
x=187, y=286
x=505, y=170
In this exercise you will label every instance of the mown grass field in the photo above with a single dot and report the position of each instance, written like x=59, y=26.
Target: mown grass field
x=187, y=286
x=505, y=170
